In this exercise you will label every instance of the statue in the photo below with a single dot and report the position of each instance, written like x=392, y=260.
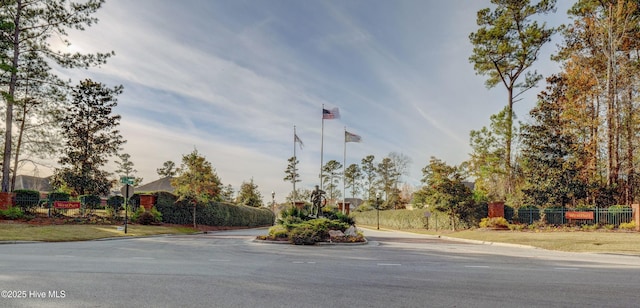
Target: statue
x=318, y=200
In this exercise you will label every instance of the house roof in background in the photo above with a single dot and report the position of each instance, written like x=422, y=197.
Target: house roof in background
x=163, y=184
x=32, y=183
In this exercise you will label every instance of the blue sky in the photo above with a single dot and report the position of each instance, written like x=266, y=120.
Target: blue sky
x=232, y=78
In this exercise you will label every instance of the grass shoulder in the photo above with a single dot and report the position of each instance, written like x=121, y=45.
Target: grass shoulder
x=561, y=239
x=80, y=232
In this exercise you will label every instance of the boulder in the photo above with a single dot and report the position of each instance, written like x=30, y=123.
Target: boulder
x=351, y=231
x=335, y=233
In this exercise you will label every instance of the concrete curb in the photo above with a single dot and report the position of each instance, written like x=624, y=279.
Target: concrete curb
x=462, y=240
x=487, y=243
x=19, y=242
x=366, y=242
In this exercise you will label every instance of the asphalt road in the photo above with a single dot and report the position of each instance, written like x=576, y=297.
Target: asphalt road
x=228, y=269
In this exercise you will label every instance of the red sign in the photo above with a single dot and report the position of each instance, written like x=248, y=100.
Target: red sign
x=579, y=215
x=66, y=204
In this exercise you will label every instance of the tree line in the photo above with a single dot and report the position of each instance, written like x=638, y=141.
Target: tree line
x=578, y=146
x=362, y=180
x=47, y=117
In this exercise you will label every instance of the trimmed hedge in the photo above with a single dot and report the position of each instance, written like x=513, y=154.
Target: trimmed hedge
x=212, y=214
x=405, y=219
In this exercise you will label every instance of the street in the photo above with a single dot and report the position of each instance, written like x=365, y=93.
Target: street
x=229, y=269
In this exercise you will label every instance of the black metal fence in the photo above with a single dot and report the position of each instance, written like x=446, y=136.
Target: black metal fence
x=614, y=215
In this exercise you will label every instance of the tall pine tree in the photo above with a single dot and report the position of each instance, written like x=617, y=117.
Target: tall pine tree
x=91, y=138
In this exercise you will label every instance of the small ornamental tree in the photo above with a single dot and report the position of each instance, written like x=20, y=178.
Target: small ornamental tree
x=197, y=182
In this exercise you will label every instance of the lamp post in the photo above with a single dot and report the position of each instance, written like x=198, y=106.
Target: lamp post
x=273, y=201
x=378, y=209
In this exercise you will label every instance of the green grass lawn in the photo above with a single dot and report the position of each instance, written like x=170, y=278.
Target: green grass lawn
x=573, y=241
x=64, y=233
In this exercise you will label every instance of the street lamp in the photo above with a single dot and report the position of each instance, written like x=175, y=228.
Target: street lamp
x=273, y=201
x=378, y=209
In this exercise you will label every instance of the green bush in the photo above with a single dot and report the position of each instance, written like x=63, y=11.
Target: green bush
x=334, y=214
x=494, y=222
x=91, y=202
x=151, y=217
x=304, y=235
x=628, y=225
x=115, y=202
x=27, y=199
x=12, y=213
x=586, y=227
x=134, y=215
x=313, y=231
x=278, y=232
x=58, y=196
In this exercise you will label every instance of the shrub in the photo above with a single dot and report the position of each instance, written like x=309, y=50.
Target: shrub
x=494, y=222
x=313, y=231
x=304, y=234
x=91, y=202
x=628, y=225
x=278, y=232
x=115, y=202
x=58, y=196
x=146, y=218
x=586, y=227
x=27, y=199
x=337, y=215
x=151, y=217
x=12, y=213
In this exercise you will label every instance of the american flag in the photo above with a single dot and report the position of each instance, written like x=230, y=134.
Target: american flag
x=330, y=114
x=298, y=140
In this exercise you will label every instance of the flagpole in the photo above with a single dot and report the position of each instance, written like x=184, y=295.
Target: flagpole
x=344, y=166
x=322, y=148
x=294, y=165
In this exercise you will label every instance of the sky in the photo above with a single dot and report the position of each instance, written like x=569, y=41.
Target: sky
x=233, y=78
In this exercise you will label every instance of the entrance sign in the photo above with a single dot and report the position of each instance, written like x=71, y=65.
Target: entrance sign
x=66, y=204
x=579, y=215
